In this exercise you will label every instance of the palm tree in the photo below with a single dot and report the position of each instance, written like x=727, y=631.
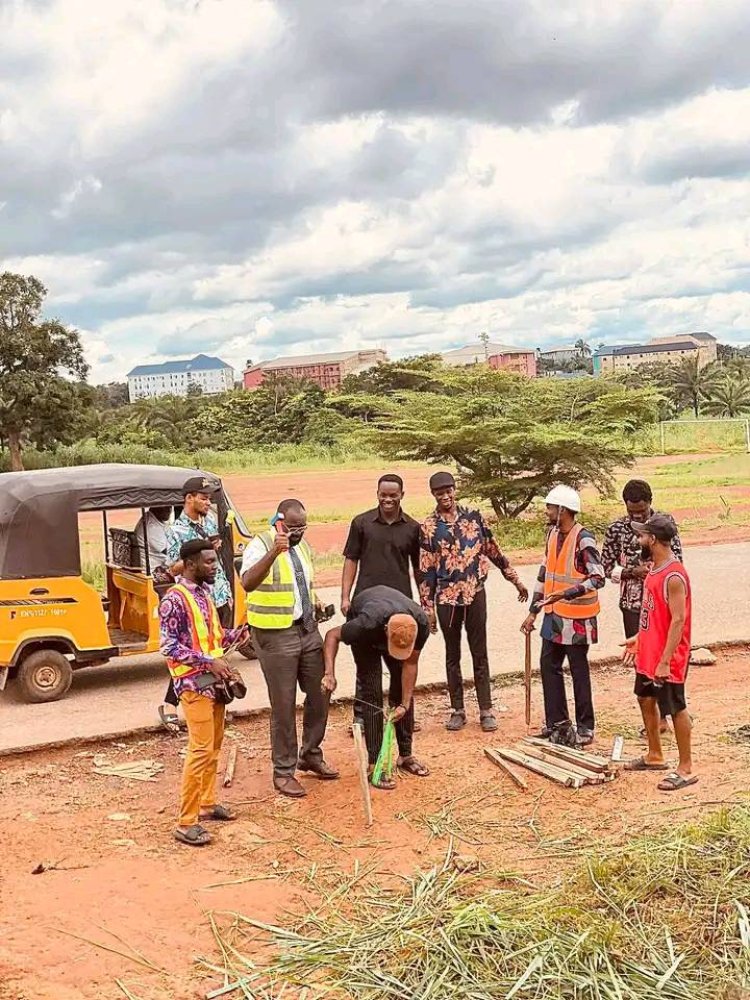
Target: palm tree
x=583, y=348
x=729, y=396
x=693, y=383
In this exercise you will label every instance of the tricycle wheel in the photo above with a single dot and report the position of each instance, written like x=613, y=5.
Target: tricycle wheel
x=248, y=650
x=45, y=676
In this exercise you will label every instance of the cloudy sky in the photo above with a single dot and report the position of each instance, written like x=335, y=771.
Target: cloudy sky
x=252, y=178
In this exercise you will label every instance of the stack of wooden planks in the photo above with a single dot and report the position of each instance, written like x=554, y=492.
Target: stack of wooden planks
x=563, y=765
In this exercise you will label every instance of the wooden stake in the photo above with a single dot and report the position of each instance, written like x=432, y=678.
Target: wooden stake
x=231, y=764
x=527, y=679
x=506, y=768
x=588, y=777
x=547, y=770
x=361, y=752
x=589, y=761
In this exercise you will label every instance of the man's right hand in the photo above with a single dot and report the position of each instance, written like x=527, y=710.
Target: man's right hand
x=640, y=572
x=221, y=669
x=280, y=543
x=528, y=624
x=345, y=605
x=432, y=618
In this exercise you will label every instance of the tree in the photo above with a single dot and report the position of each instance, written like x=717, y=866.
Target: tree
x=169, y=416
x=692, y=383
x=728, y=396
x=37, y=402
x=111, y=396
x=582, y=349
x=513, y=438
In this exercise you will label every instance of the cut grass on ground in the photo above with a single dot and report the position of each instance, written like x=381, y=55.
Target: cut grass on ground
x=662, y=916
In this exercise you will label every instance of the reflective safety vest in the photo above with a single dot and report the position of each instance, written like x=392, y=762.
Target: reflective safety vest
x=562, y=574
x=207, y=636
x=271, y=605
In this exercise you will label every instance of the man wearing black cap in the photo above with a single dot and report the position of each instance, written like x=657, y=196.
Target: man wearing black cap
x=456, y=549
x=661, y=651
x=197, y=521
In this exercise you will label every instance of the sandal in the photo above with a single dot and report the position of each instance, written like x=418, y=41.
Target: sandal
x=170, y=720
x=674, y=782
x=385, y=784
x=194, y=836
x=410, y=765
x=219, y=814
x=641, y=764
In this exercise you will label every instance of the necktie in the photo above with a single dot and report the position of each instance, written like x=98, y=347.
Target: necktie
x=308, y=618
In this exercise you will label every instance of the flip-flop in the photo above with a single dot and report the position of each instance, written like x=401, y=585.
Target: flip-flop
x=409, y=765
x=219, y=814
x=674, y=782
x=171, y=722
x=639, y=764
x=194, y=836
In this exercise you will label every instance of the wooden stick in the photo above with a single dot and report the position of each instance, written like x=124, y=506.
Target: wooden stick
x=506, y=768
x=544, y=768
x=589, y=761
x=588, y=777
x=527, y=679
x=359, y=747
x=231, y=764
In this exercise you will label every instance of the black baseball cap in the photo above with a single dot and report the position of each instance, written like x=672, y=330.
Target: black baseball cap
x=439, y=480
x=661, y=526
x=200, y=484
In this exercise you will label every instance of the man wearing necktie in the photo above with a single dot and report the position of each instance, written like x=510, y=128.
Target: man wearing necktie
x=277, y=573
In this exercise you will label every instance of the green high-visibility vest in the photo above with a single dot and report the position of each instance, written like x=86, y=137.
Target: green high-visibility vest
x=271, y=605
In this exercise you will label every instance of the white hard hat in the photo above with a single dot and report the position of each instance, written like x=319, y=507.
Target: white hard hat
x=564, y=496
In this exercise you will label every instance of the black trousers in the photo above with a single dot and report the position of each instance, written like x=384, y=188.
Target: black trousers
x=369, y=695
x=452, y=619
x=553, y=684
x=225, y=617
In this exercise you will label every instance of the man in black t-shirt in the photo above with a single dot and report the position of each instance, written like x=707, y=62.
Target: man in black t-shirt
x=382, y=625
x=383, y=543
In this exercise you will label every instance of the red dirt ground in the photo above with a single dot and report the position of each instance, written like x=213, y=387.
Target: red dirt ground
x=129, y=885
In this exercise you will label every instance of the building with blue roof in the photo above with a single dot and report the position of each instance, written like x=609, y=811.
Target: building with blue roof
x=178, y=378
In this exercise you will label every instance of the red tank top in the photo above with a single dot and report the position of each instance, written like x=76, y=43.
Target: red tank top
x=655, y=622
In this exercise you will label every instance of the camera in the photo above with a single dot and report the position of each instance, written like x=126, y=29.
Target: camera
x=324, y=614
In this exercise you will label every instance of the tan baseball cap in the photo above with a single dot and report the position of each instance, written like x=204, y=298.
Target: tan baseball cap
x=401, y=631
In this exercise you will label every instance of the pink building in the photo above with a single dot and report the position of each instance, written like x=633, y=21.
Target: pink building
x=521, y=360
x=328, y=370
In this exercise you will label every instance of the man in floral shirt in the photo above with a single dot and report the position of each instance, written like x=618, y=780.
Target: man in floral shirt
x=456, y=549
x=622, y=559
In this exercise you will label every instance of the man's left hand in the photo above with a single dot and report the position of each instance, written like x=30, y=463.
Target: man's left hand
x=631, y=651
x=328, y=684
x=398, y=713
x=662, y=670
x=552, y=599
x=523, y=594
x=216, y=544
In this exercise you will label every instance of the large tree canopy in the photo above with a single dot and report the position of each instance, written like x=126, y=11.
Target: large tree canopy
x=37, y=402
x=514, y=438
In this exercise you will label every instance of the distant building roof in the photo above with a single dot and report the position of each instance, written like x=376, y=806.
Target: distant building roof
x=302, y=360
x=480, y=351
x=674, y=345
x=698, y=336
x=200, y=363
x=565, y=349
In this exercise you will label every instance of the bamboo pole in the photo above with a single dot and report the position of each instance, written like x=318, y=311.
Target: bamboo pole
x=231, y=764
x=592, y=762
x=547, y=770
x=588, y=777
x=359, y=747
x=506, y=768
x=527, y=679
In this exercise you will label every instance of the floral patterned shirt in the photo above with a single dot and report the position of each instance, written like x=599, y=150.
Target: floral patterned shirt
x=572, y=631
x=455, y=557
x=185, y=530
x=177, y=641
x=622, y=549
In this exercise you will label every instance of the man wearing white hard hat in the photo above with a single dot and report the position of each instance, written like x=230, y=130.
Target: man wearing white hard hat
x=566, y=593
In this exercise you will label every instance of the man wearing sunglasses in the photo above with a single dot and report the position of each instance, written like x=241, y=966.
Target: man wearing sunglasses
x=277, y=573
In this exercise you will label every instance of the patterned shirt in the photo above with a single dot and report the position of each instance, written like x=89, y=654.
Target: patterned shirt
x=185, y=530
x=622, y=549
x=455, y=557
x=572, y=631
x=176, y=640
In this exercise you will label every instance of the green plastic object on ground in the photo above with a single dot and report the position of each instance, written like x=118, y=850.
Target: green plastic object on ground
x=384, y=763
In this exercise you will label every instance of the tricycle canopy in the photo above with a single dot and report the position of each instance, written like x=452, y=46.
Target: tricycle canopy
x=39, y=510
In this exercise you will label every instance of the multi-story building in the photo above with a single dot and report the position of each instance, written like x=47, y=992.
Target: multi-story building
x=327, y=370
x=668, y=350
x=560, y=355
x=521, y=360
x=175, y=378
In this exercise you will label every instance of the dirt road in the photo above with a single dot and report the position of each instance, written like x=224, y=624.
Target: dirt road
x=124, y=883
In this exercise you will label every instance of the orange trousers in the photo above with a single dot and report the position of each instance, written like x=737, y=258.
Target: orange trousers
x=205, y=723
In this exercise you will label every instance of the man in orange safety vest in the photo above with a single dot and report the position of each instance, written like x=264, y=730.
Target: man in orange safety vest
x=194, y=643
x=566, y=591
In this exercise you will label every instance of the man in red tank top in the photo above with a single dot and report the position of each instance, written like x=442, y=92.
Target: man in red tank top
x=661, y=651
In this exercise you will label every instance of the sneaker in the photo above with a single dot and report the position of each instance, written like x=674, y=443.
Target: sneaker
x=457, y=721
x=488, y=722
